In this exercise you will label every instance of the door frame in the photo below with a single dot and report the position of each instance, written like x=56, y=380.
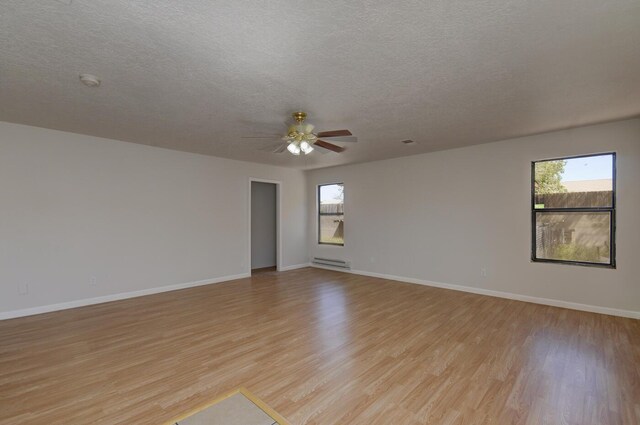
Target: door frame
x=278, y=184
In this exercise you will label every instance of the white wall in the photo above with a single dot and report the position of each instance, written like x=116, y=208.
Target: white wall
x=263, y=225
x=135, y=217
x=441, y=217
x=139, y=218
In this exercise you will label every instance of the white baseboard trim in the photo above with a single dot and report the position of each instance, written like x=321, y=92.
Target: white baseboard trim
x=115, y=297
x=499, y=294
x=294, y=267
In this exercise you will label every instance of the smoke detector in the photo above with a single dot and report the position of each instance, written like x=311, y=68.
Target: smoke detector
x=89, y=80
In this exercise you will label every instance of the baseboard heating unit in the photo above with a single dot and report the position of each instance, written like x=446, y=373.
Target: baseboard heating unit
x=332, y=263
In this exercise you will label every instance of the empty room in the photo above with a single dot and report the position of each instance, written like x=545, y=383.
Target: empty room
x=329, y=213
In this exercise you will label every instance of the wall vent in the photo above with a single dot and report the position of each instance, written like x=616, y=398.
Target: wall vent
x=332, y=263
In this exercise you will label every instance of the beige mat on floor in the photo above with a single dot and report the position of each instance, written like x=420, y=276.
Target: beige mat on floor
x=239, y=407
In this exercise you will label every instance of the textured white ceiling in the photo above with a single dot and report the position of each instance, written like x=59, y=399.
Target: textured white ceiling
x=196, y=75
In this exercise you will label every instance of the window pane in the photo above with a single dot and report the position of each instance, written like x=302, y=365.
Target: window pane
x=574, y=182
x=574, y=236
x=332, y=229
x=331, y=214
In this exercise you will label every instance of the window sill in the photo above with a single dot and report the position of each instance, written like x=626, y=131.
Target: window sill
x=574, y=263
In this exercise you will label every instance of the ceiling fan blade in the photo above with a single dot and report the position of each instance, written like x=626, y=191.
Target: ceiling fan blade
x=334, y=133
x=329, y=146
x=261, y=137
x=269, y=147
x=320, y=149
x=342, y=139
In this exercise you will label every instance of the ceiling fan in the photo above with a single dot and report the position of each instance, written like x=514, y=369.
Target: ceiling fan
x=300, y=138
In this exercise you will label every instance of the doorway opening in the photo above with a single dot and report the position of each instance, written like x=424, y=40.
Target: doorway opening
x=264, y=226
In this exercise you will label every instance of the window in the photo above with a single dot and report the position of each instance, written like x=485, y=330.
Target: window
x=331, y=214
x=573, y=213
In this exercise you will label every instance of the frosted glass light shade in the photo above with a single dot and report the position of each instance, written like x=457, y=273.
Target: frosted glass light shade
x=306, y=147
x=294, y=148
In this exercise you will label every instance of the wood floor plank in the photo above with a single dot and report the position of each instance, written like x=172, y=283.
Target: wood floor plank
x=322, y=347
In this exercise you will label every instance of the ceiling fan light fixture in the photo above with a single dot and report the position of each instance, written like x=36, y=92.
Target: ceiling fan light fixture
x=306, y=147
x=294, y=148
x=300, y=138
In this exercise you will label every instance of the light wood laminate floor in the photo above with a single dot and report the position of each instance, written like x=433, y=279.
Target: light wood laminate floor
x=322, y=347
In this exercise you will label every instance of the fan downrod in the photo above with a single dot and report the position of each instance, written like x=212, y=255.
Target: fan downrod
x=299, y=116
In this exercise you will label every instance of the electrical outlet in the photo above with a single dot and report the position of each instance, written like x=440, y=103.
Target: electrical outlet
x=483, y=272
x=93, y=280
x=23, y=288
